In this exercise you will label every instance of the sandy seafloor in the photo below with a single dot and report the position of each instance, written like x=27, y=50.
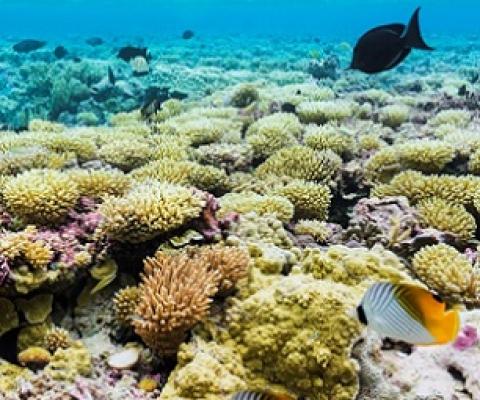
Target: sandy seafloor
x=221, y=243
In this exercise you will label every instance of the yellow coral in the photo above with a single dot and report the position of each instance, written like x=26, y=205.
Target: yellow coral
x=424, y=155
x=446, y=216
x=34, y=358
x=57, y=338
x=70, y=363
x=320, y=112
x=125, y=303
x=328, y=137
x=262, y=205
x=382, y=166
x=302, y=162
x=40, y=196
x=457, y=118
x=39, y=125
x=310, y=200
x=8, y=316
x=443, y=269
x=393, y=115
x=68, y=142
x=126, y=154
x=37, y=309
x=9, y=375
x=149, y=210
x=319, y=230
x=98, y=183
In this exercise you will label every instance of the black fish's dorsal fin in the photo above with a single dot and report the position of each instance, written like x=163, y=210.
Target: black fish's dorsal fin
x=412, y=36
x=111, y=76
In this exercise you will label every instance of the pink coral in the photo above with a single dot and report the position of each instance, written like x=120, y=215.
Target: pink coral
x=467, y=338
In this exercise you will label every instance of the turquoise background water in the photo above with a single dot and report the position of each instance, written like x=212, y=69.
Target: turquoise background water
x=324, y=18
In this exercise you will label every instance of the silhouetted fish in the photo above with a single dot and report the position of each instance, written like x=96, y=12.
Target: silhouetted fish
x=60, y=52
x=155, y=96
x=94, y=41
x=111, y=76
x=384, y=47
x=188, y=34
x=28, y=45
x=127, y=53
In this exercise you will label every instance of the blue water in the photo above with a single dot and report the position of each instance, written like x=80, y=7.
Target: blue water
x=325, y=18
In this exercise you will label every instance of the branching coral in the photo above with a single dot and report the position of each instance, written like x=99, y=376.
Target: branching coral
x=38, y=125
x=394, y=115
x=244, y=95
x=99, y=183
x=40, y=196
x=230, y=157
x=175, y=294
x=68, y=142
x=262, y=205
x=319, y=230
x=126, y=154
x=446, y=216
x=320, y=112
x=457, y=118
x=443, y=269
x=426, y=156
x=329, y=137
x=70, y=363
x=125, y=302
x=302, y=162
x=382, y=166
x=310, y=200
x=57, y=338
x=149, y=210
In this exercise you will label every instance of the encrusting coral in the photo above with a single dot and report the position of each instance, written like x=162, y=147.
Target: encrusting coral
x=179, y=289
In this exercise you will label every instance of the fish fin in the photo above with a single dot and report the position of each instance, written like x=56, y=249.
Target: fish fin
x=446, y=329
x=111, y=76
x=412, y=36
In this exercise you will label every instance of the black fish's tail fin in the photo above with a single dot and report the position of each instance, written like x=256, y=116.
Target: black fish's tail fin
x=111, y=76
x=412, y=36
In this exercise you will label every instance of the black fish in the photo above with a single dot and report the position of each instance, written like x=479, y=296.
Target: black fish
x=129, y=52
x=177, y=95
x=288, y=108
x=384, y=47
x=111, y=76
x=60, y=52
x=94, y=41
x=26, y=46
x=155, y=96
x=188, y=34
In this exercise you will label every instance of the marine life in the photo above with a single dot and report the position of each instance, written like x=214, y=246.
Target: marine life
x=256, y=395
x=111, y=76
x=128, y=53
x=28, y=45
x=60, y=52
x=94, y=41
x=386, y=46
x=409, y=313
x=188, y=34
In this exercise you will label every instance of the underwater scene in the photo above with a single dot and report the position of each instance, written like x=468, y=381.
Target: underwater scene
x=239, y=200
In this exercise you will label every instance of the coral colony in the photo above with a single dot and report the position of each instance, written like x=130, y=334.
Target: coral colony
x=216, y=237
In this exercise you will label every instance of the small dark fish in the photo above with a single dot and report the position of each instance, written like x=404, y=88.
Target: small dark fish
x=76, y=59
x=384, y=47
x=177, y=95
x=94, y=41
x=26, y=46
x=127, y=53
x=288, y=108
x=154, y=98
x=111, y=76
x=257, y=395
x=188, y=34
x=60, y=52
x=462, y=90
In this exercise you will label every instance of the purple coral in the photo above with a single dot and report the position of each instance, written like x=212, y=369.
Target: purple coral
x=467, y=338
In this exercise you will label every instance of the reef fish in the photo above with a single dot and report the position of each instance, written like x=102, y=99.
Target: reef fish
x=60, y=52
x=94, y=41
x=188, y=34
x=128, y=53
x=409, y=313
x=384, y=47
x=28, y=45
x=255, y=395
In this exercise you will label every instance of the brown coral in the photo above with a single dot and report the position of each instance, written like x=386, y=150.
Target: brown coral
x=124, y=304
x=175, y=294
x=56, y=338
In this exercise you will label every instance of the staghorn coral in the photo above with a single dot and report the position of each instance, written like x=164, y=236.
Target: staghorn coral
x=40, y=196
x=382, y=166
x=443, y=269
x=302, y=162
x=149, y=210
x=394, y=115
x=229, y=157
x=244, y=95
x=446, y=216
x=320, y=112
x=98, y=183
x=17, y=160
x=56, y=338
x=272, y=133
x=83, y=148
x=242, y=203
x=197, y=129
x=310, y=200
x=179, y=289
x=38, y=125
x=124, y=304
x=353, y=266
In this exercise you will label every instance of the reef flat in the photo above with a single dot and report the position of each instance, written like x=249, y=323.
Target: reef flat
x=220, y=242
